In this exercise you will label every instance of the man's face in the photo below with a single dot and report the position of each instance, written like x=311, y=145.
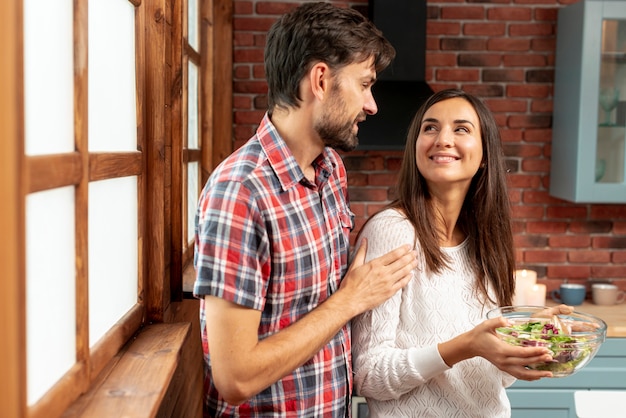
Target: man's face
x=349, y=101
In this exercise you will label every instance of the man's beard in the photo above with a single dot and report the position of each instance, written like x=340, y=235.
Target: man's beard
x=337, y=136
x=331, y=131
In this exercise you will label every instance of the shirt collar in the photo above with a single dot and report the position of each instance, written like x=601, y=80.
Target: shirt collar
x=284, y=163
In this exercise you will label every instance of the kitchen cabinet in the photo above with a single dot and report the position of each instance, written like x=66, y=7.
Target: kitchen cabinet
x=554, y=398
x=588, y=157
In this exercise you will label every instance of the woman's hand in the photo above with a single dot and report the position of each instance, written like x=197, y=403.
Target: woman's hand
x=506, y=357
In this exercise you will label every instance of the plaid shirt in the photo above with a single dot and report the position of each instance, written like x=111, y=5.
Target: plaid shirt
x=269, y=239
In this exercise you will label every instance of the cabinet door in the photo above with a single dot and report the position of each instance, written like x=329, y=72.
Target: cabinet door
x=540, y=403
x=589, y=118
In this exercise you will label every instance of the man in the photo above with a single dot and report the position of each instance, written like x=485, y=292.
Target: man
x=273, y=224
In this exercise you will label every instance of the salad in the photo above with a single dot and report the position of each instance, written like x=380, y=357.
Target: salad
x=569, y=352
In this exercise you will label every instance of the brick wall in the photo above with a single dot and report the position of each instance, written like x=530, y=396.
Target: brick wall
x=502, y=51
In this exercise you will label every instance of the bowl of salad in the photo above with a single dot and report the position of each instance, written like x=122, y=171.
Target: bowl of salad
x=573, y=339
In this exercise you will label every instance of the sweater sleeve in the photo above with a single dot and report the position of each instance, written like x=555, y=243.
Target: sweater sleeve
x=383, y=369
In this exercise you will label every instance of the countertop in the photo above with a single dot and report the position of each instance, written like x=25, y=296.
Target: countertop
x=614, y=316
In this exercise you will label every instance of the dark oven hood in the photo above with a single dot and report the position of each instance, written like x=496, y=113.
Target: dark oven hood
x=401, y=88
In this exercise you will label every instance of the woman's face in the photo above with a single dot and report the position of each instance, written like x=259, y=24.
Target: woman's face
x=449, y=147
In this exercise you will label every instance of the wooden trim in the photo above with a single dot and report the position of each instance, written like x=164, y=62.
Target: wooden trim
x=143, y=214
x=64, y=392
x=12, y=223
x=135, y=3
x=155, y=80
x=133, y=386
x=221, y=135
x=191, y=155
x=206, y=88
x=115, y=338
x=81, y=201
x=110, y=165
x=178, y=120
x=44, y=172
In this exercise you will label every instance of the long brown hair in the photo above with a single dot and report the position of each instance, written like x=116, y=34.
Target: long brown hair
x=485, y=216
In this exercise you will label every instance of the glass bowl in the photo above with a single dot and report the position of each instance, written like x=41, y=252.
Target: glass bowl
x=573, y=339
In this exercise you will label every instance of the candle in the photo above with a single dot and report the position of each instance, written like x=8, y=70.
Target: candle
x=524, y=279
x=536, y=295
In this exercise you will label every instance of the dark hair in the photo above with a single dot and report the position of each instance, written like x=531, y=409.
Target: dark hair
x=318, y=32
x=485, y=216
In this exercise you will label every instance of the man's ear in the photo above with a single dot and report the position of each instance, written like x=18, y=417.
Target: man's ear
x=319, y=77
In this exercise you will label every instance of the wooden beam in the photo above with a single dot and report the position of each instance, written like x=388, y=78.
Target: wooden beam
x=44, y=172
x=12, y=246
x=155, y=115
x=110, y=165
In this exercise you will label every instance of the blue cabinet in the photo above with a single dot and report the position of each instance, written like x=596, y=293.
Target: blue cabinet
x=589, y=117
x=554, y=398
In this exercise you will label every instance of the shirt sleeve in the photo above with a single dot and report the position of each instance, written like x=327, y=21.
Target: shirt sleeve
x=383, y=369
x=231, y=254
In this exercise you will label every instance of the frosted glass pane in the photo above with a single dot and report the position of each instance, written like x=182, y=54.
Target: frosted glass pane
x=193, y=35
x=192, y=197
x=48, y=77
x=50, y=288
x=192, y=106
x=112, y=102
x=113, y=265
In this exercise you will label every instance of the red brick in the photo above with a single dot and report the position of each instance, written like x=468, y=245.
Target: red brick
x=547, y=227
x=590, y=227
x=569, y=272
x=457, y=75
x=587, y=256
x=524, y=181
x=443, y=28
x=531, y=29
x=441, y=59
x=484, y=29
x=377, y=194
x=536, y=165
x=526, y=212
x=242, y=7
x=609, y=242
x=509, y=13
x=508, y=44
x=261, y=24
x=539, y=196
x=251, y=117
x=479, y=60
x=506, y=105
x=524, y=60
x=462, y=13
x=248, y=55
x=569, y=241
x=490, y=75
x=241, y=71
x=524, y=90
x=242, y=102
x=614, y=212
x=608, y=271
x=546, y=14
x=544, y=256
x=619, y=257
x=538, y=135
x=382, y=179
x=259, y=87
x=273, y=8
x=560, y=212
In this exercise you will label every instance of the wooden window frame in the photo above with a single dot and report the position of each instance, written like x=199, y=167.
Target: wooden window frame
x=160, y=149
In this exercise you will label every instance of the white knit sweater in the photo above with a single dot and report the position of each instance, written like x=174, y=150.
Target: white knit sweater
x=397, y=365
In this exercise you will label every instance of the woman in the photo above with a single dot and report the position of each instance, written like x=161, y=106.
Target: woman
x=428, y=351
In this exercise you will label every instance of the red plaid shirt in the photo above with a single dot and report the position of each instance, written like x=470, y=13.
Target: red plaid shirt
x=269, y=239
